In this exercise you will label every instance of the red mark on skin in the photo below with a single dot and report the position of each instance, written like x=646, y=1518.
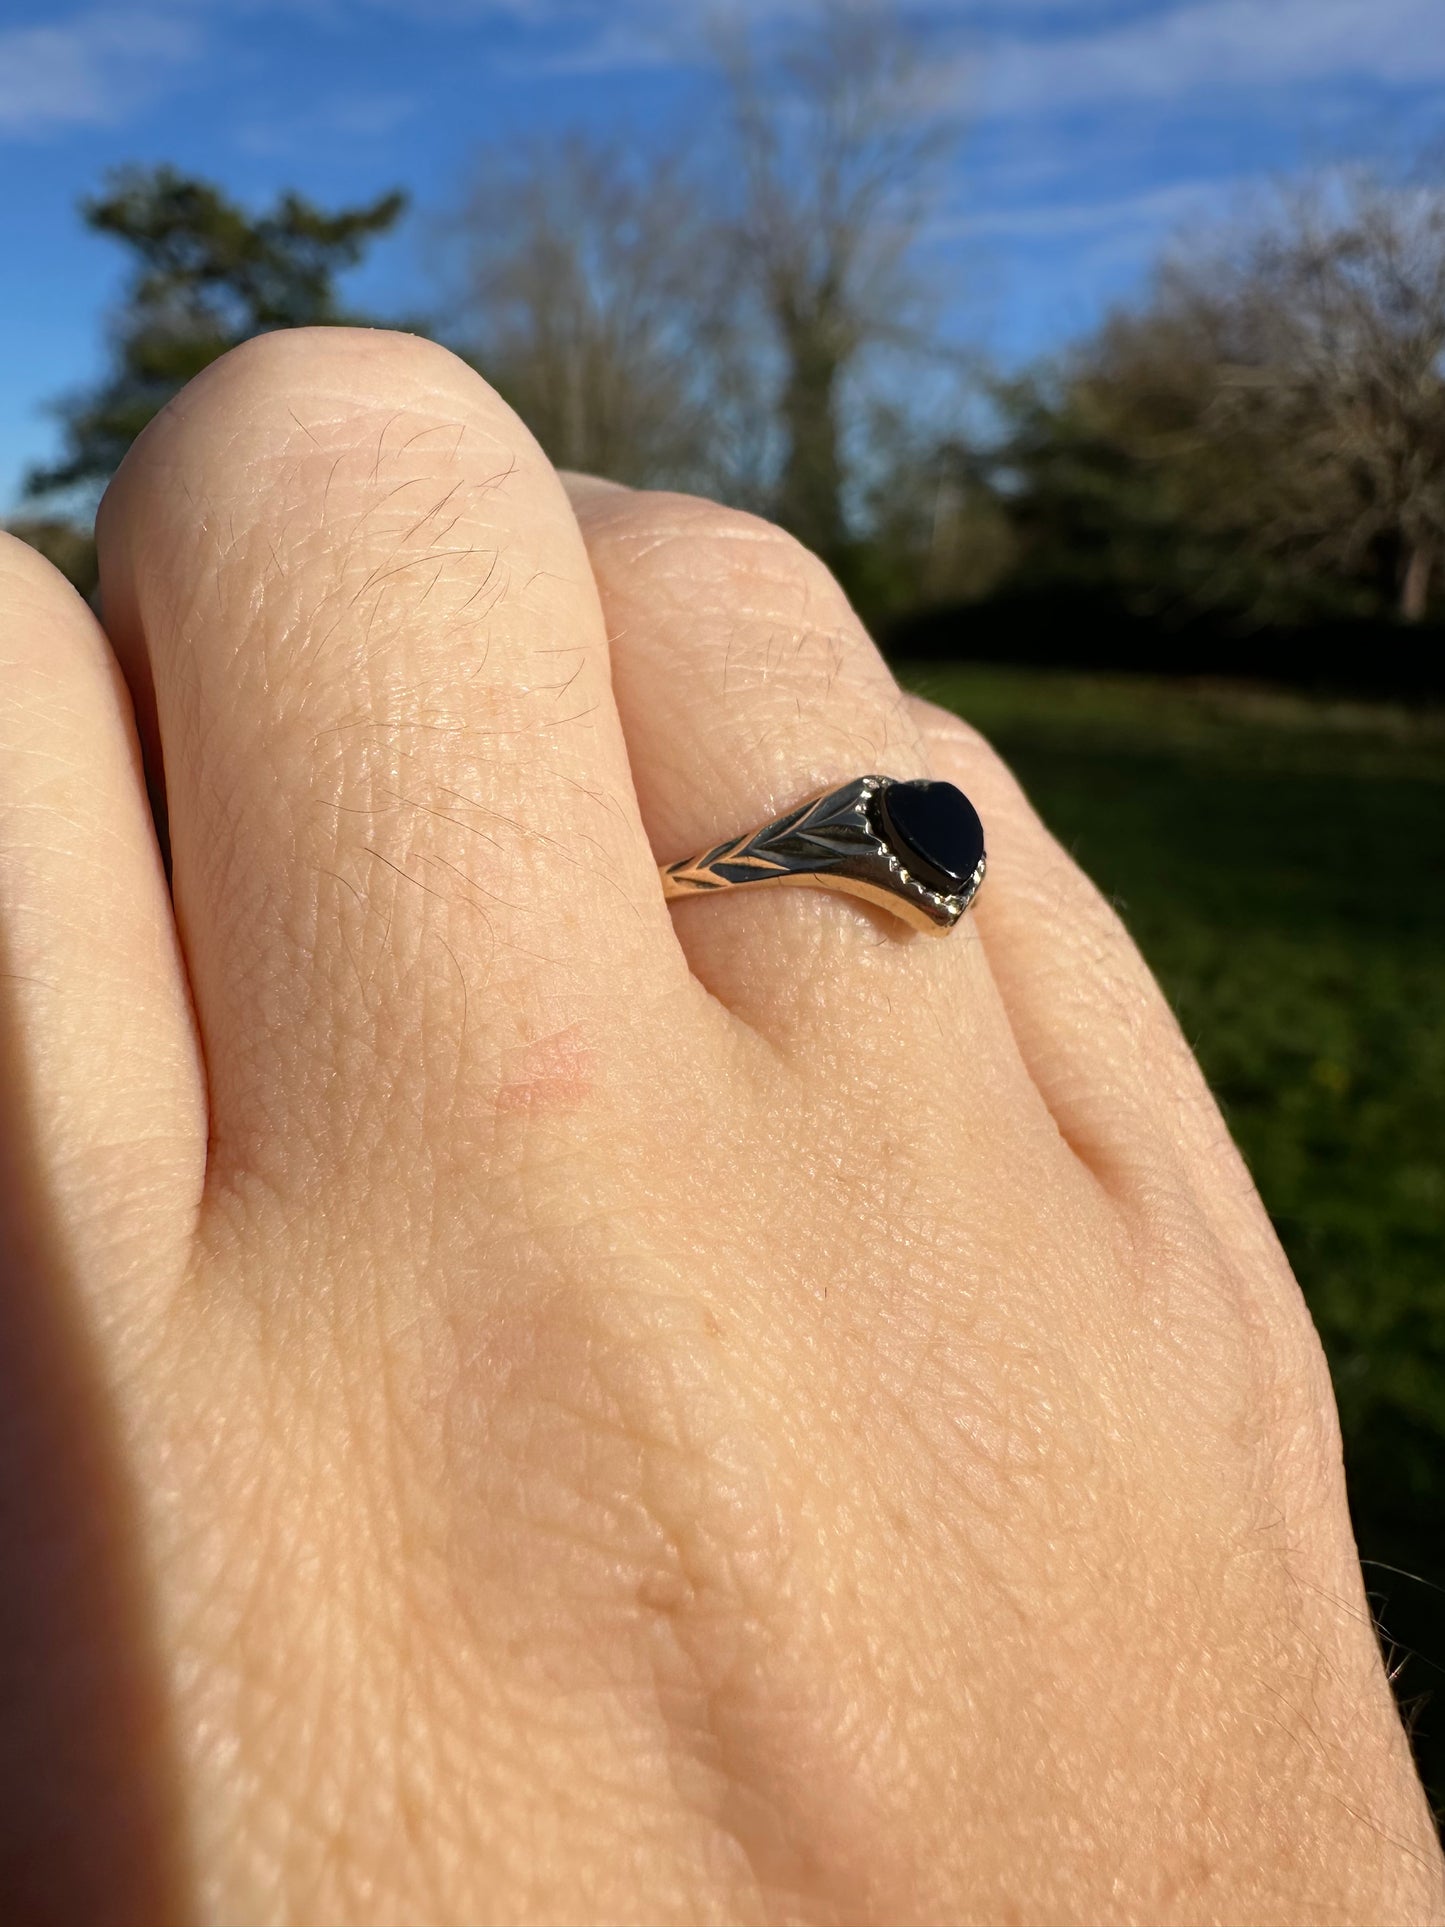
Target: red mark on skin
x=553, y=1074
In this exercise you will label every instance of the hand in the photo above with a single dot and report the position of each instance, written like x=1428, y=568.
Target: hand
x=525, y=1404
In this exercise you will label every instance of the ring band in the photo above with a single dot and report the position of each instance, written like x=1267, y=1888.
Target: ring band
x=915, y=849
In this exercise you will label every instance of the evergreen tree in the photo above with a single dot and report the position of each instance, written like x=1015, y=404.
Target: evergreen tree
x=207, y=275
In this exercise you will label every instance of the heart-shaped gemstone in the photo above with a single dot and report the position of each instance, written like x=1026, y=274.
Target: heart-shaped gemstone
x=935, y=832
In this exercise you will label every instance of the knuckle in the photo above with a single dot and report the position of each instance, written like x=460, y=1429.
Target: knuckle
x=315, y=481
x=959, y=744
x=299, y=398
x=727, y=542
x=378, y=367
x=30, y=584
x=52, y=654
x=944, y=726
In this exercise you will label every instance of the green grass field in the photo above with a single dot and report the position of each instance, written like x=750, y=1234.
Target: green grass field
x=1282, y=865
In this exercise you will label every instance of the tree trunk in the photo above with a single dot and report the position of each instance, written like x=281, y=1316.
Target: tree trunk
x=1415, y=584
x=810, y=489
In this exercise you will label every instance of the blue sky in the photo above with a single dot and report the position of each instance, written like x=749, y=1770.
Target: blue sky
x=1096, y=130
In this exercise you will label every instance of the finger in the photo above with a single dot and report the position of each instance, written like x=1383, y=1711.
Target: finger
x=1092, y=1025
x=408, y=866
x=103, y=1098
x=580, y=486
x=745, y=682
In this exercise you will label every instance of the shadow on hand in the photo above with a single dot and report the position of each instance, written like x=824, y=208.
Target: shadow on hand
x=90, y=1817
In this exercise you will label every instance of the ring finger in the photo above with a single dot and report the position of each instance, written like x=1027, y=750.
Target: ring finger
x=745, y=682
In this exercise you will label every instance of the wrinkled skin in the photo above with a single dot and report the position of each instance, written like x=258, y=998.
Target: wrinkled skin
x=524, y=1403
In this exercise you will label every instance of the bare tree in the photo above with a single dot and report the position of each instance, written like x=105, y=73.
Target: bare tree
x=590, y=295
x=1265, y=432
x=839, y=155
x=1328, y=323
x=708, y=317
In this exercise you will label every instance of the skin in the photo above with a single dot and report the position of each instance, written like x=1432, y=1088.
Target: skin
x=520, y=1403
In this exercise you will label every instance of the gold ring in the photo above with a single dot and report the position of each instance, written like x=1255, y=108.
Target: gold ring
x=913, y=848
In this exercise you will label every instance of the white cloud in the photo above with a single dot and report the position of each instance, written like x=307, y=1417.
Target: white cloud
x=94, y=66
x=621, y=34
x=348, y=117
x=619, y=44
x=1176, y=48
x=89, y=69
x=1223, y=45
x=1155, y=209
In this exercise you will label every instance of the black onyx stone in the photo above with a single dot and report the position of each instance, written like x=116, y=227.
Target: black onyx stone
x=935, y=832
